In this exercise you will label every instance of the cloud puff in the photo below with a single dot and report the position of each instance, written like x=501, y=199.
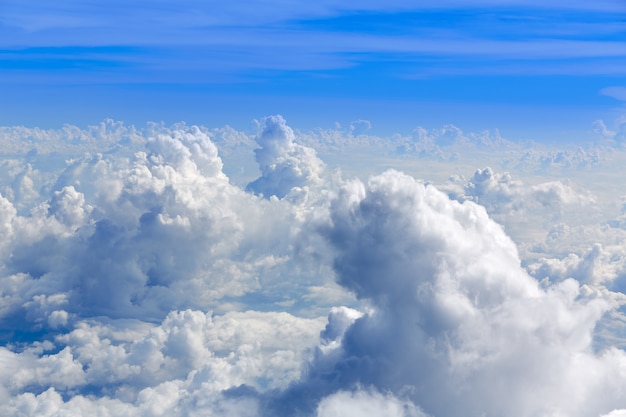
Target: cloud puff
x=360, y=403
x=284, y=164
x=359, y=127
x=500, y=193
x=527, y=211
x=158, y=370
x=611, y=137
x=615, y=413
x=457, y=325
x=138, y=235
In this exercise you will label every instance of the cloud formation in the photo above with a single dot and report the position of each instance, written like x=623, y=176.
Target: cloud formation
x=285, y=165
x=455, y=318
x=137, y=279
x=163, y=228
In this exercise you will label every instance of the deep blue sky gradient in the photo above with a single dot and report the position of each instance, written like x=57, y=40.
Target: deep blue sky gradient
x=534, y=70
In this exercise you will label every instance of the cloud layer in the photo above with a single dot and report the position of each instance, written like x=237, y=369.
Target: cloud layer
x=137, y=279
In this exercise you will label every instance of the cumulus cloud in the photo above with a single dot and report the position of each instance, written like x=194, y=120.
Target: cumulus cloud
x=360, y=403
x=157, y=369
x=137, y=279
x=285, y=165
x=615, y=413
x=500, y=192
x=526, y=210
x=140, y=234
x=443, y=143
x=455, y=317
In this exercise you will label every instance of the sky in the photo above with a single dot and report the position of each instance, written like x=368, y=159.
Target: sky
x=514, y=65
x=267, y=208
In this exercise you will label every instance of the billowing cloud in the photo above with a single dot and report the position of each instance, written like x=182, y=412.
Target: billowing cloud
x=138, y=279
x=285, y=165
x=500, y=193
x=360, y=403
x=139, y=235
x=188, y=355
x=455, y=318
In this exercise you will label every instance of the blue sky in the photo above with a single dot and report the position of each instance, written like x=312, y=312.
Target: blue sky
x=528, y=68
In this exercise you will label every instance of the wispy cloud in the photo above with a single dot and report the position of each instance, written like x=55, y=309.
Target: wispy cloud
x=617, y=92
x=328, y=35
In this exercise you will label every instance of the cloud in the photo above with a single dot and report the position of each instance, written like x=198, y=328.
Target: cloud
x=285, y=165
x=159, y=370
x=362, y=403
x=527, y=211
x=359, y=127
x=500, y=193
x=68, y=207
x=616, y=92
x=138, y=234
x=453, y=312
x=137, y=279
x=615, y=413
x=164, y=400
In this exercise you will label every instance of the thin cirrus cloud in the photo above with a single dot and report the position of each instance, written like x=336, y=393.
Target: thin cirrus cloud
x=616, y=92
x=340, y=59
x=325, y=36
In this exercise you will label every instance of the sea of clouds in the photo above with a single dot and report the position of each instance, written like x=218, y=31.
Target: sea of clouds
x=187, y=271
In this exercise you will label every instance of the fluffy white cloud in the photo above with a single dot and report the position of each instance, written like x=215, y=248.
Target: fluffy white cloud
x=156, y=370
x=527, y=211
x=500, y=193
x=360, y=403
x=285, y=165
x=137, y=235
x=168, y=399
x=457, y=325
x=615, y=413
x=117, y=243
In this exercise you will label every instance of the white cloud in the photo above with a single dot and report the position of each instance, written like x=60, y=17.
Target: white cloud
x=615, y=413
x=525, y=210
x=360, y=403
x=500, y=193
x=285, y=165
x=169, y=399
x=359, y=127
x=456, y=318
x=112, y=259
x=140, y=231
x=160, y=370
x=68, y=206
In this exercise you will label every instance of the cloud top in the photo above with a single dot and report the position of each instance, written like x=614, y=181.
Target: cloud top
x=284, y=164
x=137, y=279
x=455, y=318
